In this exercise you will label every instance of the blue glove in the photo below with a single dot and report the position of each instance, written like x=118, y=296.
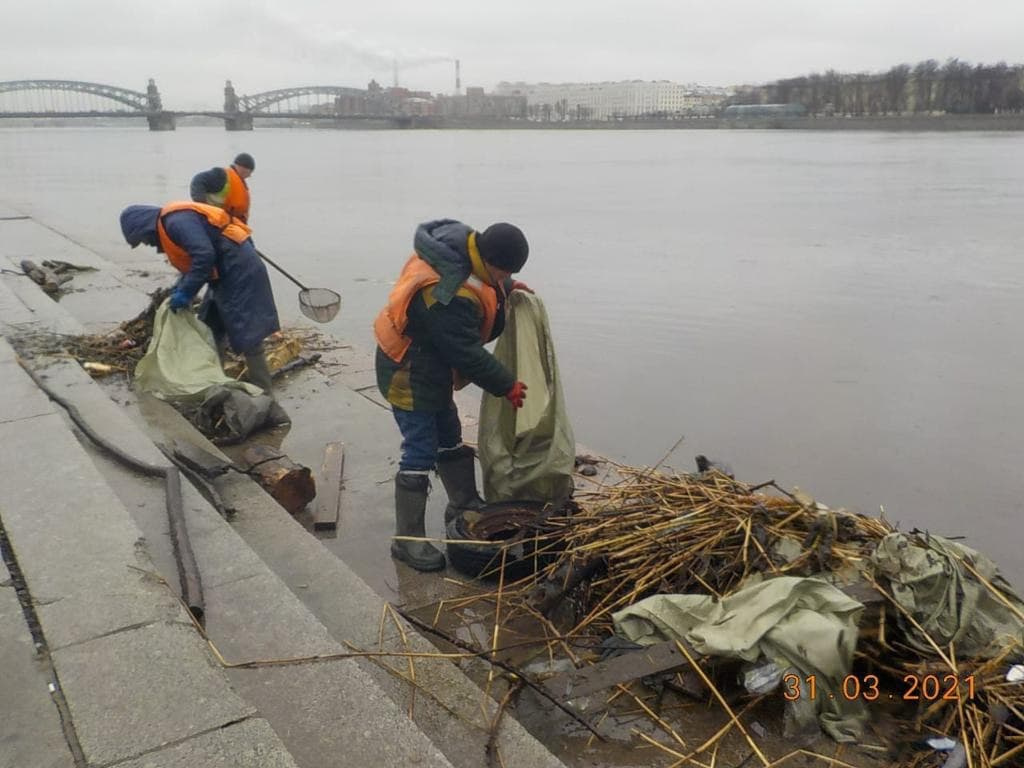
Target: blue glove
x=180, y=301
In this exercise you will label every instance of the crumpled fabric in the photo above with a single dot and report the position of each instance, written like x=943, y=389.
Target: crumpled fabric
x=806, y=626
x=928, y=580
x=181, y=361
x=181, y=365
x=527, y=454
x=235, y=414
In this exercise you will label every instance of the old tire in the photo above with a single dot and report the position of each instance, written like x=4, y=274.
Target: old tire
x=516, y=529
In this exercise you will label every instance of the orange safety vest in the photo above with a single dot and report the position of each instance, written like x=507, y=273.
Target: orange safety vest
x=389, y=327
x=237, y=200
x=232, y=229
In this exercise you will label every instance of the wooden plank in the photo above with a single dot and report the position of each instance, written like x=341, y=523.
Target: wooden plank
x=624, y=668
x=329, y=484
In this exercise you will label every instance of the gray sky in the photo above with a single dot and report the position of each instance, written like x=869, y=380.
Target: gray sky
x=191, y=47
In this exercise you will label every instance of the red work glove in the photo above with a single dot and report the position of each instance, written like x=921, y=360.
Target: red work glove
x=519, y=286
x=516, y=395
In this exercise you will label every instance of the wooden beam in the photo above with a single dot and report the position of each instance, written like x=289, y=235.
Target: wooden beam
x=329, y=482
x=291, y=484
x=629, y=666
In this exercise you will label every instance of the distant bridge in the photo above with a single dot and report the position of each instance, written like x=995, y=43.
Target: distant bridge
x=71, y=98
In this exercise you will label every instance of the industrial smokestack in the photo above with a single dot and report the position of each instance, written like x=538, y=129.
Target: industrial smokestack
x=396, y=72
x=458, y=79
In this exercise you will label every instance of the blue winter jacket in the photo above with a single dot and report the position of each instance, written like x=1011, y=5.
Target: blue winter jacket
x=240, y=302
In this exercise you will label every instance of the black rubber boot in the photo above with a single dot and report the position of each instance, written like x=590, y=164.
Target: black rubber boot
x=457, y=471
x=259, y=370
x=410, y=507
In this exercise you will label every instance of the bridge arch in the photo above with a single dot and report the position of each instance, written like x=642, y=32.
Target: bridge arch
x=138, y=101
x=260, y=101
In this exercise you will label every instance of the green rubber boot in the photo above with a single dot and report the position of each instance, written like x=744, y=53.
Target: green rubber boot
x=259, y=370
x=457, y=471
x=410, y=507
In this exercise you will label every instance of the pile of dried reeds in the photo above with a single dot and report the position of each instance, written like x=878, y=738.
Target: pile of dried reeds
x=969, y=700
x=964, y=698
x=661, y=533
x=654, y=532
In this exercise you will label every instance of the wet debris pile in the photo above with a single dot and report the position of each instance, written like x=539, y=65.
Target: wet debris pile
x=937, y=675
x=120, y=350
x=658, y=533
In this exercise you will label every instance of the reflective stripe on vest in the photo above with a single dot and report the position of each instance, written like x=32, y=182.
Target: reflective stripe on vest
x=390, y=325
x=232, y=229
x=237, y=200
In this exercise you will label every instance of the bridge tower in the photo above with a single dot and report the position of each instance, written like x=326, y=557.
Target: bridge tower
x=156, y=116
x=234, y=118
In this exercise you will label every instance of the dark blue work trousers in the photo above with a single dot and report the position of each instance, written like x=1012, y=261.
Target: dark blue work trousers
x=424, y=433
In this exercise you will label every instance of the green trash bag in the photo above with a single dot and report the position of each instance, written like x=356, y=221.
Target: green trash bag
x=181, y=361
x=527, y=453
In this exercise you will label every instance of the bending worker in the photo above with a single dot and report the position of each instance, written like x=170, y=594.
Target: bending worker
x=448, y=302
x=226, y=187
x=210, y=248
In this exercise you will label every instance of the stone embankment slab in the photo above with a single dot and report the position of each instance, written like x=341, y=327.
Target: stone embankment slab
x=133, y=672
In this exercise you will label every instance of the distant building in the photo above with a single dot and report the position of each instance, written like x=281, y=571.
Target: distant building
x=377, y=101
x=417, y=105
x=612, y=100
x=477, y=103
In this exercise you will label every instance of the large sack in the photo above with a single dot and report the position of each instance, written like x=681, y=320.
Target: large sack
x=181, y=365
x=181, y=361
x=529, y=453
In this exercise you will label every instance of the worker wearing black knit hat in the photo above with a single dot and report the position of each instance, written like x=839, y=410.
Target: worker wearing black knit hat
x=503, y=246
x=449, y=301
x=244, y=164
x=226, y=188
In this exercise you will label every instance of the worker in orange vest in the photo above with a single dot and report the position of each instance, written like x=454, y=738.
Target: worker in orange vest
x=448, y=302
x=226, y=188
x=209, y=248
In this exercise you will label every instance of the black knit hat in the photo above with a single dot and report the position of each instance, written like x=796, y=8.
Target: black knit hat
x=503, y=246
x=245, y=160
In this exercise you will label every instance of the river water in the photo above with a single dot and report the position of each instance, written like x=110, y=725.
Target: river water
x=838, y=311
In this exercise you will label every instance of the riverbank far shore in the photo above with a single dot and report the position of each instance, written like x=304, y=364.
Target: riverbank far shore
x=916, y=123
x=896, y=123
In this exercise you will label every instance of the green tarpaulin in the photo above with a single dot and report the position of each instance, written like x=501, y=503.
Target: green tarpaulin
x=805, y=626
x=930, y=582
